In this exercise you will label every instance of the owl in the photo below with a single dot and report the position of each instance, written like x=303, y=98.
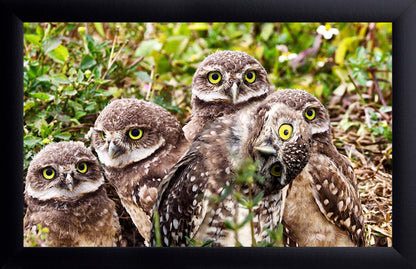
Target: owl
x=225, y=82
x=322, y=206
x=137, y=143
x=271, y=134
x=64, y=192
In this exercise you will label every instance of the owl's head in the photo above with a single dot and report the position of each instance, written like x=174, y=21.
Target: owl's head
x=130, y=130
x=230, y=77
x=308, y=107
x=63, y=171
x=280, y=141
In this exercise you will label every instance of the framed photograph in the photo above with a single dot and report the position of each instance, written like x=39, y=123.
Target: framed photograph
x=63, y=65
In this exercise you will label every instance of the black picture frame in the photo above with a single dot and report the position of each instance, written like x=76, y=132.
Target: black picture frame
x=401, y=12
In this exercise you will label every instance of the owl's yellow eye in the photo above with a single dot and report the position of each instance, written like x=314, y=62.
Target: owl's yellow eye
x=214, y=77
x=310, y=114
x=135, y=133
x=276, y=170
x=82, y=167
x=285, y=131
x=48, y=173
x=102, y=135
x=250, y=76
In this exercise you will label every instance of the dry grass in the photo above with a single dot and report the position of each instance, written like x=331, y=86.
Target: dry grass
x=372, y=160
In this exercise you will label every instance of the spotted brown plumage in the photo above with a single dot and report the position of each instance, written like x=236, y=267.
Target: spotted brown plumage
x=242, y=81
x=184, y=205
x=64, y=192
x=322, y=206
x=137, y=142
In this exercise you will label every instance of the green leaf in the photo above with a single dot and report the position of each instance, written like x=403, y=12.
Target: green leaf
x=146, y=47
x=176, y=44
x=87, y=62
x=207, y=243
x=31, y=141
x=190, y=240
x=257, y=199
x=229, y=225
x=144, y=76
x=28, y=105
x=63, y=136
x=43, y=96
x=60, y=79
x=90, y=43
x=99, y=28
x=347, y=44
x=199, y=26
x=266, y=31
x=247, y=219
x=34, y=39
x=59, y=54
x=51, y=43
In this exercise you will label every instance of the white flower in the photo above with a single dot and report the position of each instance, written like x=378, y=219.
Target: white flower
x=320, y=64
x=369, y=83
x=287, y=57
x=327, y=31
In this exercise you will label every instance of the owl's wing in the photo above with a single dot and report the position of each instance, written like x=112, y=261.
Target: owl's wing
x=180, y=201
x=337, y=196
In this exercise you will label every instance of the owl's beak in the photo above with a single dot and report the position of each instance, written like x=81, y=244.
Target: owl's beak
x=266, y=150
x=114, y=150
x=234, y=92
x=69, y=182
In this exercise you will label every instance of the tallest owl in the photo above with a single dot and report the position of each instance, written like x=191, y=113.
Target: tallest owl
x=225, y=82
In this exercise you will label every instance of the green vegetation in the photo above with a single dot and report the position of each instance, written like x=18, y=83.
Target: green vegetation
x=73, y=70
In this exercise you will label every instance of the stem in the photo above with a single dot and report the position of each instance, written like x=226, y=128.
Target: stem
x=149, y=90
x=378, y=88
x=157, y=228
x=237, y=242
x=250, y=198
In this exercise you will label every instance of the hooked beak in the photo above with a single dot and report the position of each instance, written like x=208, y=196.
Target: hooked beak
x=266, y=150
x=234, y=92
x=69, y=182
x=114, y=150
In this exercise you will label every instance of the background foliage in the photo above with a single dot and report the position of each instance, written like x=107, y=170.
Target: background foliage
x=73, y=70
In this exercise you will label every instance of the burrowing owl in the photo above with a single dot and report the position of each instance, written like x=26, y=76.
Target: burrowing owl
x=65, y=193
x=225, y=82
x=137, y=142
x=323, y=207
x=270, y=133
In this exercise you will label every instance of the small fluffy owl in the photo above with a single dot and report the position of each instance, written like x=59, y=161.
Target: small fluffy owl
x=65, y=193
x=224, y=83
x=137, y=142
x=323, y=206
x=272, y=134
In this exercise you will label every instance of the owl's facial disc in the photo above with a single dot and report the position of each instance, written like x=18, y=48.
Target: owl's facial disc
x=270, y=167
x=116, y=153
x=66, y=184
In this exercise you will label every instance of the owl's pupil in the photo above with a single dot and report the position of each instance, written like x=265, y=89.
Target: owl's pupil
x=277, y=168
x=310, y=112
x=215, y=76
x=81, y=166
x=250, y=75
x=135, y=132
x=49, y=172
x=286, y=132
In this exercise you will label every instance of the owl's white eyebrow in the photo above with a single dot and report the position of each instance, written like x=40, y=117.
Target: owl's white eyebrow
x=251, y=66
x=212, y=68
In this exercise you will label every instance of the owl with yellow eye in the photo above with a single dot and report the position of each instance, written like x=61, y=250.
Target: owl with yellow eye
x=65, y=193
x=224, y=83
x=268, y=133
x=323, y=206
x=137, y=143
